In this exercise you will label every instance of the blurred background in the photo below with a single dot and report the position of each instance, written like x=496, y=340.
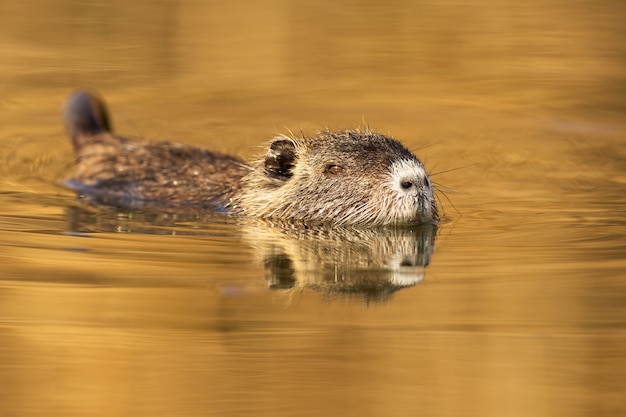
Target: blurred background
x=517, y=110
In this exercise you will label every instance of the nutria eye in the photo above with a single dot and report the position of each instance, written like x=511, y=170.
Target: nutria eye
x=334, y=169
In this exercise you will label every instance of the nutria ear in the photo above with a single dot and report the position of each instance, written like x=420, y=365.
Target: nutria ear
x=280, y=159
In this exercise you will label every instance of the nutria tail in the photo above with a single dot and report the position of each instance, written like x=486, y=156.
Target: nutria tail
x=85, y=115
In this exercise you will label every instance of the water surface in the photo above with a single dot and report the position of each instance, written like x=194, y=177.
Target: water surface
x=514, y=306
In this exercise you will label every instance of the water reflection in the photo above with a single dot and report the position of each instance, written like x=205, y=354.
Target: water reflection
x=368, y=263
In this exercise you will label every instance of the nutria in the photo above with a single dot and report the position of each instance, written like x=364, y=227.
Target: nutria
x=345, y=177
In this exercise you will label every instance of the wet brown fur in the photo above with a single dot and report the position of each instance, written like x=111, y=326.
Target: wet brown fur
x=137, y=173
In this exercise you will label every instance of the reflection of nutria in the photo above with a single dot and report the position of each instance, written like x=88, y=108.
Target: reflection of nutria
x=370, y=263
x=348, y=177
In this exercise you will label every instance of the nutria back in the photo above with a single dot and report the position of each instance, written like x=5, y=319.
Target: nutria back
x=136, y=173
x=345, y=177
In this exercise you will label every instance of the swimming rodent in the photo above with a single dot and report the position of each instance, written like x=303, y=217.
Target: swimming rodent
x=346, y=177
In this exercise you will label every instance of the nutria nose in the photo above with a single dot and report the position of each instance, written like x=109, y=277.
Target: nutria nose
x=415, y=182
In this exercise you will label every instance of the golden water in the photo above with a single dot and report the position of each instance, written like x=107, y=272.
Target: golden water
x=516, y=308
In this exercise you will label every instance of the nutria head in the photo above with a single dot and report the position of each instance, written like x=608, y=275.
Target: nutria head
x=346, y=177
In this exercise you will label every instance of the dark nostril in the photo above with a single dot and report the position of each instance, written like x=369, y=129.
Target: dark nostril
x=406, y=184
x=406, y=262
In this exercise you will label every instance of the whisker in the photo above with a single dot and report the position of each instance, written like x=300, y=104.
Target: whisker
x=450, y=170
x=438, y=187
x=449, y=201
x=428, y=145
